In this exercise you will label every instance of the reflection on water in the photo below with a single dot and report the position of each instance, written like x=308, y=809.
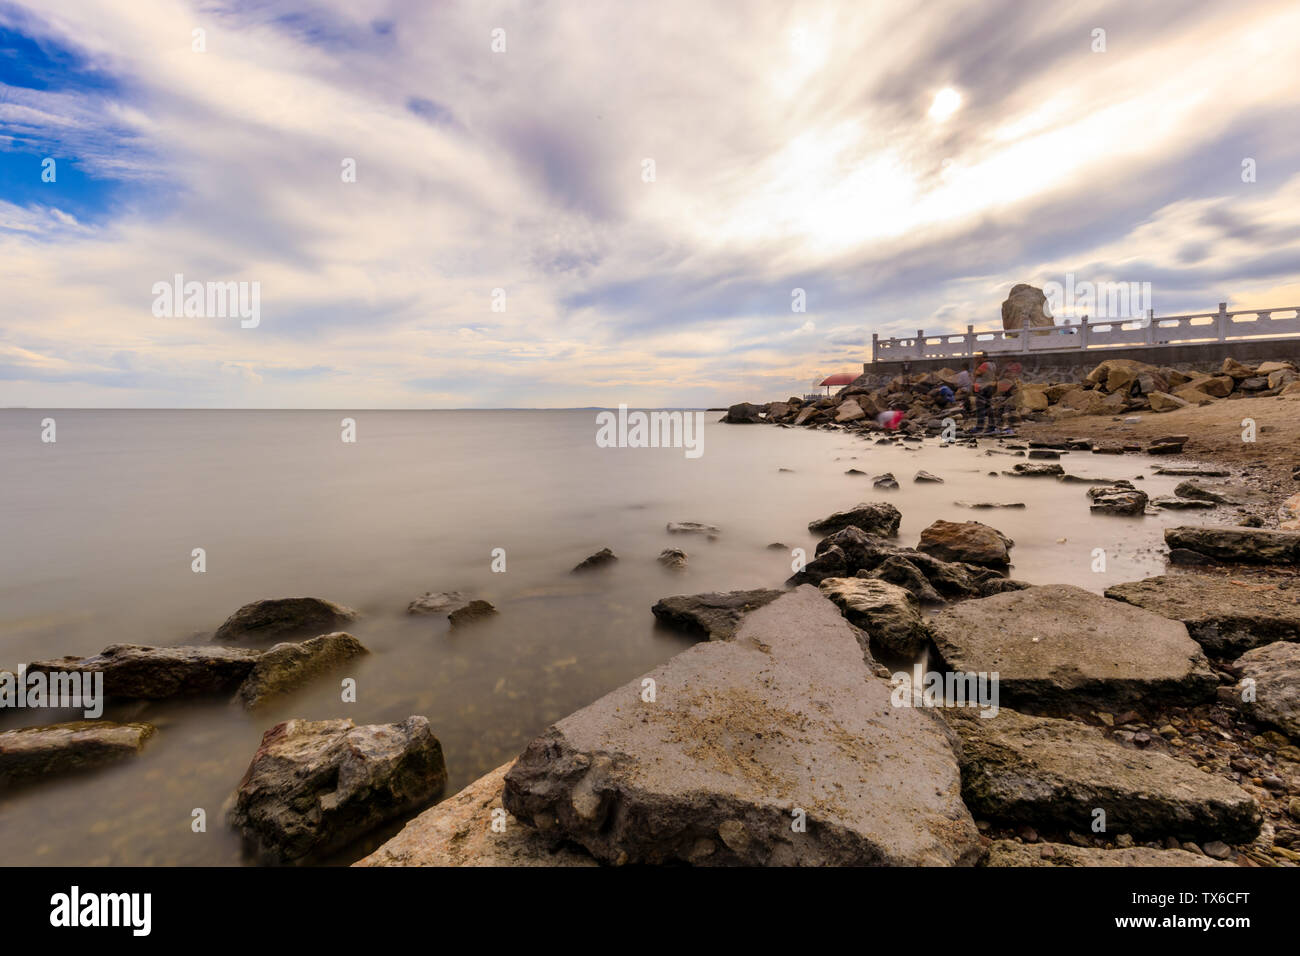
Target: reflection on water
x=100, y=526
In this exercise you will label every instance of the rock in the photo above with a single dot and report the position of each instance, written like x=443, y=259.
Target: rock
x=35, y=752
x=1085, y=401
x=1117, y=500
x=1175, y=503
x=1165, y=448
x=1061, y=645
x=1268, y=368
x=1026, y=308
x=471, y=613
x=1022, y=769
x=889, y=614
x=1255, y=383
x=743, y=414
x=1217, y=850
x=1011, y=853
x=316, y=785
x=926, y=476
x=1238, y=545
x=711, y=771
x=282, y=617
x=1164, y=402
x=879, y=518
x=1224, y=618
x=830, y=563
x=969, y=542
x=885, y=482
x=437, y=602
x=287, y=666
x=459, y=832
x=900, y=571
x=155, y=673
x=1031, y=398
x=692, y=527
x=1236, y=370
x=1044, y=454
x=1192, y=396
x=1035, y=470
x=715, y=615
x=808, y=414
x=1219, y=493
x=989, y=504
x=849, y=411
x=602, y=558
x=676, y=558
x=1288, y=514
x=1275, y=670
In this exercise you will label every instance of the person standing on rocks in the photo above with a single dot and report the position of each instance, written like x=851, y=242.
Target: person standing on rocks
x=986, y=387
x=963, y=387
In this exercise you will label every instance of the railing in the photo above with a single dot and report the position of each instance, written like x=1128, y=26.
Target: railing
x=1150, y=330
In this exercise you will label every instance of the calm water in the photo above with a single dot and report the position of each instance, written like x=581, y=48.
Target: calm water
x=98, y=529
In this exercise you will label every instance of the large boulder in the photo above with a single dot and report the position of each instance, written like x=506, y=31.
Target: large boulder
x=1237, y=545
x=849, y=411
x=472, y=829
x=316, y=785
x=743, y=413
x=969, y=542
x=715, y=615
x=1011, y=853
x=879, y=518
x=1223, y=616
x=889, y=614
x=1057, y=773
x=1117, y=500
x=282, y=617
x=155, y=673
x=1164, y=402
x=1274, y=670
x=1026, y=308
x=1059, y=645
x=713, y=768
x=33, y=752
x=287, y=666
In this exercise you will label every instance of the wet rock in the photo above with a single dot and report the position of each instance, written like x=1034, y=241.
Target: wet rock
x=1193, y=472
x=926, y=476
x=1275, y=671
x=989, y=504
x=1011, y=853
x=36, y=752
x=471, y=613
x=1220, y=493
x=282, y=617
x=692, y=527
x=743, y=413
x=457, y=832
x=715, y=615
x=879, y=518
x=676, y=558
x=155, y=673
x=601, y=559
x=1061, y=645
x=1115, y=500
x=1044, y=454
x=1238, y=545
x=886, y=482
x=314, y=786
x=1174, y=503
x=902, y=572
x=1027, y=469
x=438, y=602
x=710, y=772
x=969, y=542
x=889, y=614
x=286, y=667
x=1022, y=769
x=1224, y=618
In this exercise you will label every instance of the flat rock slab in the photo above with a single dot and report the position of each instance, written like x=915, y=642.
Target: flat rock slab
x=693, y=527
x=33, y=752
x=459, y=832
x=741, y=736
x=282, y=617
x=1059, y=645
x=155, y=673
x=1045, y=772
x=315, y=785
x=1224, y=618
x=1238, y=545
x=285, y=667
x=880, y=518
x=1011, y=853
x=1275, y=669
x=715, y=615
x=889, y=615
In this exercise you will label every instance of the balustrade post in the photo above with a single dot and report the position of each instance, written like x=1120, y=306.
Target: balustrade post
x=1222, y=321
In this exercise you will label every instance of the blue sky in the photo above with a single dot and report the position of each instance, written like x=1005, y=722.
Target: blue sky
x=797, y=147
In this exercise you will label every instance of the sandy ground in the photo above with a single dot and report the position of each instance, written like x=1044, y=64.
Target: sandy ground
x=1216, y=438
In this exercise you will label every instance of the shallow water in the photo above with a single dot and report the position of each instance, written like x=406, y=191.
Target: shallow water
x=99, y=529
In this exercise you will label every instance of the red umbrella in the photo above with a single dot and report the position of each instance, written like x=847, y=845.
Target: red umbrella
x=839, y=378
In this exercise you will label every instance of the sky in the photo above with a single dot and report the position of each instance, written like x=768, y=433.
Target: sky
x=561, y=204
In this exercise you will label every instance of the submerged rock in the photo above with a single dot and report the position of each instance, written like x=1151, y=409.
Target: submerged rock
x=1174, y=503
x=602, y=558
x=459, y=832
x=1238, y=545
x=1275, y=671
x=34, y=752
x=715, y=615
x=155, y=673
x=285, y=667
x=471, y=613
x=969, y=542
x=879, y=518
x=885, y=482
x=716, y=768
x=438, y=602
x=1061, y=645
x=989, y=504
x=1035, y=470
x=1224, y=618
x=926, y=476
x=693, y=527
x=281, y=617
x=675, y=558
x=1117, y=500
x=314, y=786
x=1011, y=853
x=1044, y=771
x=889, y=614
